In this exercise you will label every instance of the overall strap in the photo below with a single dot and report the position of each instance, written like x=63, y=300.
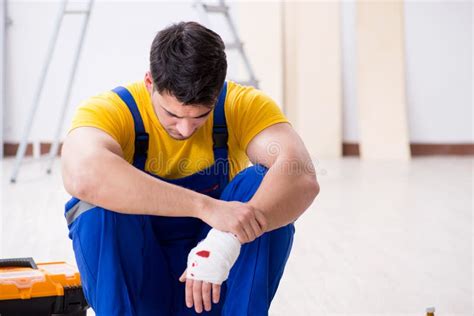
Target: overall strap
x=141, y=136
x=220, y=135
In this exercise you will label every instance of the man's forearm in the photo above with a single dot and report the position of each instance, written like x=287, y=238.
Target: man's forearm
x=125, y=189
x=285, y=193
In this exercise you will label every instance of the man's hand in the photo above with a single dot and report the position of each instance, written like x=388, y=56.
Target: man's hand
x=243, y=220
x=199, y=292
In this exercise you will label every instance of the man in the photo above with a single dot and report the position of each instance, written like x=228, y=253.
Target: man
x=166, y=215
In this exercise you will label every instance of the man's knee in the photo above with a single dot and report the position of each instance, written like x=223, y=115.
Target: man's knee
x=244, y=185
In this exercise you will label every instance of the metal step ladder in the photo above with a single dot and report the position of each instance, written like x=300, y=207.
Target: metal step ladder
x=204, y=9
x=63, y=11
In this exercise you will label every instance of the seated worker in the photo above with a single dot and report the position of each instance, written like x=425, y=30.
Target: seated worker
x=168, y=216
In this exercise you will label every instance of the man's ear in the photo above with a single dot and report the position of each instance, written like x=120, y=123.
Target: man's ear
x=149, y=82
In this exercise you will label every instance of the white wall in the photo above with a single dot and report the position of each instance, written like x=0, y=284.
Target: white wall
x=438, y=45
x=2, y=72
x=439, y=71
x=116, y=50
x=439, y=64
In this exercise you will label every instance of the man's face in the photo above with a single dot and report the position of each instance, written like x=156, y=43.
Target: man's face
x=180, y=121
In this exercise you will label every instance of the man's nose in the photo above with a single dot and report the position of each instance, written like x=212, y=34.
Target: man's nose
x=185, y=128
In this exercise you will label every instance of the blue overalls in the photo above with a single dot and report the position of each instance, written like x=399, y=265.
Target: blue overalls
x=130, y=264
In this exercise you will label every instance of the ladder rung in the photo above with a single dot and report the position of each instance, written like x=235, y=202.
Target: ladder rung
x=77, y=11
x=253, y=83
x=235, y=45
x=215, y=8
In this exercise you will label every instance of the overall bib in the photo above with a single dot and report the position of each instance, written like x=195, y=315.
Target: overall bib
x=130, y=264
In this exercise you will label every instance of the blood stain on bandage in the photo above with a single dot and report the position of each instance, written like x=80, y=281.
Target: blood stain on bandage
x=194, y=264
x=203, y=253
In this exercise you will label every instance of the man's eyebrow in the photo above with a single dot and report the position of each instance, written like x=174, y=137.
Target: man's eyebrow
x=205, y=114
x=172, y=114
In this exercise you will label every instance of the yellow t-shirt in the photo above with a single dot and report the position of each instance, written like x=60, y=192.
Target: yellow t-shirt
x=248, y=112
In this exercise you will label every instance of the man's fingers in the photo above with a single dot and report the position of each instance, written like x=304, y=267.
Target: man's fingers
x=262, y=220
x=256, y=228
x=189, y=293
x=182, y=278
x=216, y=293
x=249, y=233
x=242, y=236
x=197, y=296
x=206, y=295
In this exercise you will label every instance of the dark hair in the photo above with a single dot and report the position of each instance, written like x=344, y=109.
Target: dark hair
x=188, y=61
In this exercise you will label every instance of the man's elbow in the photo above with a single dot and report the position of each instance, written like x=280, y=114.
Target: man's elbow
x=313, y=187
x=77, y=181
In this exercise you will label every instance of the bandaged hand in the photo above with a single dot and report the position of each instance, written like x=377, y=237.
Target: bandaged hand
x=212, y=259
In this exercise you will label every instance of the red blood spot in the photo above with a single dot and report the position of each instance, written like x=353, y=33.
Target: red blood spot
x=203, y=253
x=194, y=264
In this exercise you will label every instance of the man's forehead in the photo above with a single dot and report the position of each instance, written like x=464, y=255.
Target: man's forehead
x=177, y=108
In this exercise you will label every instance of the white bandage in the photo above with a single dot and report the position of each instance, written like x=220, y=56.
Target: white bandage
x=212, y=259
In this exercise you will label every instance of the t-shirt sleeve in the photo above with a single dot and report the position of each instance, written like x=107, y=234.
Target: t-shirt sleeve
x=105, y=113
x=252, y=112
